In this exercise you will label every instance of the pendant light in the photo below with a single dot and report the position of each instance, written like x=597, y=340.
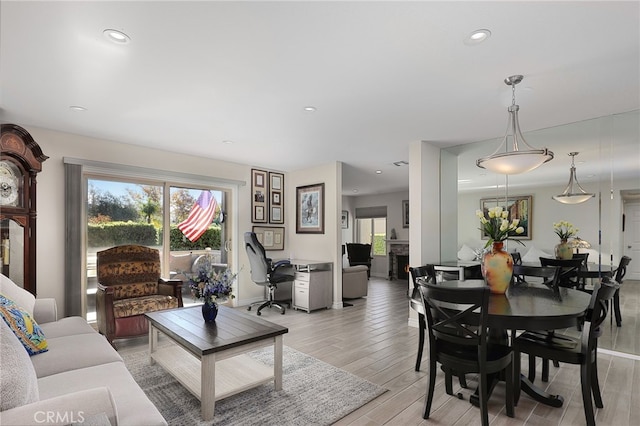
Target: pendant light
x=516, y=161
x=569, y=196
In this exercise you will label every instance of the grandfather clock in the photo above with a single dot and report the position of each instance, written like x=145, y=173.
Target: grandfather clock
x=20, y=161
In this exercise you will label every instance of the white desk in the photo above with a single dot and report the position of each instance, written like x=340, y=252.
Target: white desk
x=312, y=285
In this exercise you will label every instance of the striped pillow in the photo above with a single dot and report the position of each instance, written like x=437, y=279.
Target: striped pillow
x=23, y=326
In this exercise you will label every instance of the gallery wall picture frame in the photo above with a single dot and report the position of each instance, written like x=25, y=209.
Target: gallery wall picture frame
x=259, y=196
x=276, y=198
x=271, y=237
x=345, y=219
x=310, y=209
x=405, y=213
x=518, y=206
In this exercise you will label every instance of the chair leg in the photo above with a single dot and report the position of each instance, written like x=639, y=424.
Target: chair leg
x=422, y=326
x=595, y=385
x=432, y=384
x=482, y=398
x=616, y=308
x=545, y=370
x=463, y=381
x=585, y=382
x=509, y=377
x=532, y=368
x=448, y=381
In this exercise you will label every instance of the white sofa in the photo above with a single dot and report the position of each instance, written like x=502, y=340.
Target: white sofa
x=80, y=379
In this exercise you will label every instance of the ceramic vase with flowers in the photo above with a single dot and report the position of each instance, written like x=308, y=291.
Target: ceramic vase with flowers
x=564, y=230
x=212, y=287
x=497, y=264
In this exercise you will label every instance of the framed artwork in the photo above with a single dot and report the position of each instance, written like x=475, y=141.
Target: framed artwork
x=310, y=209
x=271, y=237
x=259, y=194
x=345, y=219
x=276, y=198
x=519, y=207
x=405, y=213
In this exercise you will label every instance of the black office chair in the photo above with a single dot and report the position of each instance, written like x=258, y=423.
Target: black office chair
x=458, y=341
x=581, y=350
x=265, y=273
x=360, y=254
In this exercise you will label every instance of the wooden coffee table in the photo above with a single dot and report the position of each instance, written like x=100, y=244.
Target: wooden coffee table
x=209, y=359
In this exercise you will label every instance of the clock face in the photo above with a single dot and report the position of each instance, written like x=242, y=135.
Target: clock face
x=9, y=184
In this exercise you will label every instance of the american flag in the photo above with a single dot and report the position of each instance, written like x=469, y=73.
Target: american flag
x=200, y=216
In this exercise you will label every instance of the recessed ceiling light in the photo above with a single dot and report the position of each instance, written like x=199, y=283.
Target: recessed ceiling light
x=378, y=172
x=355, y=190
x=477, y=37
x=464, y=180
x=227, y=142
x=310, y=109
x=116, y=36
x=77, y=108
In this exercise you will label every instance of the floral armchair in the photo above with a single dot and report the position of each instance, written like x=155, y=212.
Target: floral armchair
x=129, y=285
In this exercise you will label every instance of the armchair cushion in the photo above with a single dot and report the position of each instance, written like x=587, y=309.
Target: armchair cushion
x=18, y=382
x=140, y=305
x=23, y=326
x=19, y=295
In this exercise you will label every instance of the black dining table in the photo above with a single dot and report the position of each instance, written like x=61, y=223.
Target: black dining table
x=532, y=306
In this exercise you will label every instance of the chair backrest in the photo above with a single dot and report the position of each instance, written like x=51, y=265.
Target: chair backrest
x=597, y=312
x=549, y=274
x=260, y=265
x=569, y=270
x=457, y=315
x=132, y=270
x=422, y=271
x=622, y=269
x=357, y=252
x=517, y=258
x=583, y=256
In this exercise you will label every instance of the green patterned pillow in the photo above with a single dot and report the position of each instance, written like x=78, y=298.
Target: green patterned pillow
x=23, y=326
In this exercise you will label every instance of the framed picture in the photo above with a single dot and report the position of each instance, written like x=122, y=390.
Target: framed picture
x=259, y=196
x=405, y=213
x=310, y=209
x=271, y=237
x=276, y=198
x=519, y=207
x=345, y=219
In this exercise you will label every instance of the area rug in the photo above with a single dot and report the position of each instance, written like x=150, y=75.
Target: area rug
x=313, y=393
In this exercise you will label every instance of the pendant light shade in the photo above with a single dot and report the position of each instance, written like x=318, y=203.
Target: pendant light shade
x=517, y=160
x=571, y=195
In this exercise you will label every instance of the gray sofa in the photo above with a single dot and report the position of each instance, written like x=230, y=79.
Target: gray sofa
x=80, y=379
x=355, y=281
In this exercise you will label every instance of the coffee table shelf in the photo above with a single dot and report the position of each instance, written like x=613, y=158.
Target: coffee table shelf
x=232, y=376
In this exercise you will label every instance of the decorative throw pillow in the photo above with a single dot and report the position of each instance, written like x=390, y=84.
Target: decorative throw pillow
x=23, y=326
x=19, y=295
x=18, y=382
x=466, y=253
x=534, y=255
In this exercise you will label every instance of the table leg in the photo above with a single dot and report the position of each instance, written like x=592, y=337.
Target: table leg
x=208, y=386
x=616, y=307
x=492, y=381
x=153, y=342
x=277, y=363
x=538, y=394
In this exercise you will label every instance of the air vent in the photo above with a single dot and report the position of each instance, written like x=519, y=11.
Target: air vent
x=400, y=163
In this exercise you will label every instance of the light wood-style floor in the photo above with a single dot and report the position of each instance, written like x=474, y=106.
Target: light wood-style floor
x=372, y=340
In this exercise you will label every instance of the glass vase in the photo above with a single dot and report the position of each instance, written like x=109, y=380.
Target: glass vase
x=209, y=311
x=563, y=250
x=497, y=268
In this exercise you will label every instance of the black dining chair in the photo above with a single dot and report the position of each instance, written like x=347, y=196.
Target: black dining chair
x=585, y=258
x=581, y=350
x=419, y=272
x=569, y=272
x=619, y=278
x=458, y=340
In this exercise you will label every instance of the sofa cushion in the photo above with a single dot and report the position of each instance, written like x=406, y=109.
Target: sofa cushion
x=134, y=408
x=68, y=326
x=141, y=305
x=19, y=295
x=180, y=263
x=74, y=352
x=533, y=255
x=18, y=383
x=466, y=253
x=23, y=326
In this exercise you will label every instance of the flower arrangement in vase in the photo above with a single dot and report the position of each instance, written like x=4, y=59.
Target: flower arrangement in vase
x=212, y=287
x=497, y=264
x=564, y=230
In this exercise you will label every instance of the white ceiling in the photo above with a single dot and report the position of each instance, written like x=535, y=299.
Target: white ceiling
x=381, y=75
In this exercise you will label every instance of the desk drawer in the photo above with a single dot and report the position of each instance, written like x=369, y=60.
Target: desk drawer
x=301, y=297
x=302, y=276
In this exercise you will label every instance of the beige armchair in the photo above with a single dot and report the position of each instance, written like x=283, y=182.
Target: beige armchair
x=354, y=281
